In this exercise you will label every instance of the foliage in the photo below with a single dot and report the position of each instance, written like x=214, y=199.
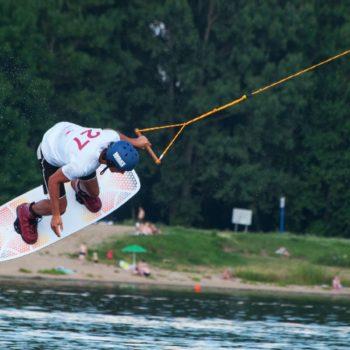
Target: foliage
x=138, y=63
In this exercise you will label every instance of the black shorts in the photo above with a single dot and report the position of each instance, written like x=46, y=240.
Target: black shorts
x=47, y=170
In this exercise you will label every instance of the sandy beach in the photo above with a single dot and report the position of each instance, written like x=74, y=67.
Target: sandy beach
x=97, y=274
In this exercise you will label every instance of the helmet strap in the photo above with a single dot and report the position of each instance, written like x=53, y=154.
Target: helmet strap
x=103, y=157
x=104, y=170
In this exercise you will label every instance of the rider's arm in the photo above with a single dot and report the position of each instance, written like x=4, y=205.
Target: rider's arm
x=54, y=189
x=138, y=142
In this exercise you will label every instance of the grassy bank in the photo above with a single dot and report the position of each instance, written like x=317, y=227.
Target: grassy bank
x=251, y=256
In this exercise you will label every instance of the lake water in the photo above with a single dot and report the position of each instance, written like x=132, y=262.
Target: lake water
x=35, y=318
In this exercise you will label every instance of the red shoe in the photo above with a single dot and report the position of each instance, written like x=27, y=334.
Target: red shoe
x=93, y=204
x=26, y=224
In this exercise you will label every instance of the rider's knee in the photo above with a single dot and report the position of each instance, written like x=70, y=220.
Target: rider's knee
x=92, y=191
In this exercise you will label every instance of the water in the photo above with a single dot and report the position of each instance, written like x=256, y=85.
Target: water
x=116, y=319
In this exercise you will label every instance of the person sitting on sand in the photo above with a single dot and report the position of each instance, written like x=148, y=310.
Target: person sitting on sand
x=227, y=274
x=142, y=269
x=154, y=229
x=82, y=252
x=95, y=257
x=144, y=229
x=336, y=284
x=148, y=228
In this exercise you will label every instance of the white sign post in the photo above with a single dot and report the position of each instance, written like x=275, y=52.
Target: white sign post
x=242, y=217
x=282, y=213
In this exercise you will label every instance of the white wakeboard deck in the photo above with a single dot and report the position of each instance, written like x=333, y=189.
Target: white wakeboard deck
x=115, y=190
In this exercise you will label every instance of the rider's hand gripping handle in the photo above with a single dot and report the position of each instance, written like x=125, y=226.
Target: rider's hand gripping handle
x=149, y=149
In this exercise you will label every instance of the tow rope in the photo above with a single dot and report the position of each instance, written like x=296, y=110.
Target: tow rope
x=215, y=110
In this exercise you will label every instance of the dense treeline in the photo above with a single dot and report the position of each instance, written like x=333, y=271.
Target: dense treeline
x=127, y=64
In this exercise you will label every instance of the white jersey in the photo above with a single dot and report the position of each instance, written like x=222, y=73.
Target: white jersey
x=76, y=149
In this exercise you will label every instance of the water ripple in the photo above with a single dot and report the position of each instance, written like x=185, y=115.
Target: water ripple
x=95, y=320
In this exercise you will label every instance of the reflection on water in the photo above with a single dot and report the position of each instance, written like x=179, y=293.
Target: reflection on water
x=113, y=319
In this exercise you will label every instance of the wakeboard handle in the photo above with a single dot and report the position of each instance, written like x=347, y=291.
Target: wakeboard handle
x=149, y=149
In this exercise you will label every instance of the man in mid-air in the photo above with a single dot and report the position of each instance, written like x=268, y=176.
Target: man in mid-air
x=69, y=152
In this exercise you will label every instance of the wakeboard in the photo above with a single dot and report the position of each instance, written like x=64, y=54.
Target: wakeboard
x=115, y=190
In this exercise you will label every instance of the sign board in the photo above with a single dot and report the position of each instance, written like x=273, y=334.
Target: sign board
x=242, y=216
x=282, y=202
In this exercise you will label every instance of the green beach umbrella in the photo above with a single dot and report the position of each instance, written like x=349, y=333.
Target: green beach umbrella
x=134, y=249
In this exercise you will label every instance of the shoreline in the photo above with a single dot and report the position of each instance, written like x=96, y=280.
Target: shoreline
x=28, y=270
x=231, y=288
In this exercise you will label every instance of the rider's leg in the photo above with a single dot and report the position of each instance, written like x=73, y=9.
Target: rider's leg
x=87, y=192
x=89, y=186
x=43, y=207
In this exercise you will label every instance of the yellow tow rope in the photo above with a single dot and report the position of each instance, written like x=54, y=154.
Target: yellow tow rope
x=182, y=126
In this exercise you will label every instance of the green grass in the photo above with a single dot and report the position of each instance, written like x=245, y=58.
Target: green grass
x=313, y=260
x=23, y=270
x=297, y=274
x=178, y=246
x=51, y=272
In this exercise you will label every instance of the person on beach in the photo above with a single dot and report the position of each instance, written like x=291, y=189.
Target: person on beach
x=140, y=218
x=147, y=228
x=227, y=274
x=70, y=152
x=141, y=215
x=142, y=269
x=95, y=257
x=336, y=284
x=82, y=252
